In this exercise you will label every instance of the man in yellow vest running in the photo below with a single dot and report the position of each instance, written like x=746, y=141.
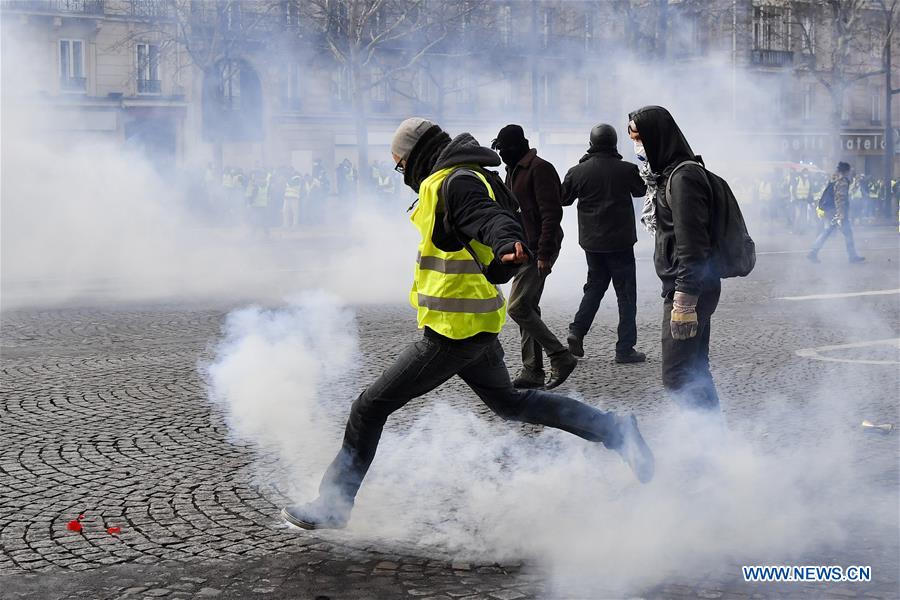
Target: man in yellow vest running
x=467, y=239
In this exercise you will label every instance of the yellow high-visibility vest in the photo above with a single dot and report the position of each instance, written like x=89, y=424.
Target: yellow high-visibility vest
x=450, y=293
x=802, y=189
x=292, y=188
x=261, y=198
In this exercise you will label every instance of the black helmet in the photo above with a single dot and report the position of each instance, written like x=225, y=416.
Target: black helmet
x=603, y=136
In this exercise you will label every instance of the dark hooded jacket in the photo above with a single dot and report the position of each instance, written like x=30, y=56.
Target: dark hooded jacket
x=682, y=255
x=535, y=184
x=468, y=209
x=603, y=183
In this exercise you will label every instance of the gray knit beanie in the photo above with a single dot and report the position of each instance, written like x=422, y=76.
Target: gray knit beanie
x=408, y=134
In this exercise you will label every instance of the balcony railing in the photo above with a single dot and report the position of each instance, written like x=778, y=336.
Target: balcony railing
x=73, y=84
x=149, y=86
x=87, y=7
x=149, y=8
x=771, y=58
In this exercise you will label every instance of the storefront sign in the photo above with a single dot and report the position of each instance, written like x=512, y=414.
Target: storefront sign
x=863, y=143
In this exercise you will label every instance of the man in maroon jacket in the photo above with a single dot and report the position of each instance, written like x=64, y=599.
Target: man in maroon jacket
x=536, y=185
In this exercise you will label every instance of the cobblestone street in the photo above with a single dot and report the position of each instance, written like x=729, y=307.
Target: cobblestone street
x=104, y=413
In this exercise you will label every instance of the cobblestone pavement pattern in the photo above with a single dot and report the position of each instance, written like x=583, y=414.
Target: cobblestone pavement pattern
x=103, y=413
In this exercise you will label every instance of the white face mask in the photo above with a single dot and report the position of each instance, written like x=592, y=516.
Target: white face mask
x=639, y=151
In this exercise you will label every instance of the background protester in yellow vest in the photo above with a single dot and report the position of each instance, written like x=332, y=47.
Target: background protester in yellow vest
x=801, y=196
x=461, y=310
x=258, y=201
x=293, y=188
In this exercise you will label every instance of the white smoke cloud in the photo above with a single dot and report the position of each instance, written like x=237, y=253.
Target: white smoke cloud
x=450, y=481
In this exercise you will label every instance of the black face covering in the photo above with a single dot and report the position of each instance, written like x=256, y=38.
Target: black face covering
x=423, y=157
x=511, y=155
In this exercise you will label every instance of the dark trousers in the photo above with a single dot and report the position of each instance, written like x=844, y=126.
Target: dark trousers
x=425, y=365
x=829, y=229
x=620, y=269
x=685, y=363
x=524, y=309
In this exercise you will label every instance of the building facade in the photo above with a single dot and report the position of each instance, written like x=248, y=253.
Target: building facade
x=261, y=83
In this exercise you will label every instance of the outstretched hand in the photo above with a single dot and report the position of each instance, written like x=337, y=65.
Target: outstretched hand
x=519, y=257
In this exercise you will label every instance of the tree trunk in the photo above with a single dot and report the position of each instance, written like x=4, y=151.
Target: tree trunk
x=361, y=126
x=662, y=29
x=889, y=201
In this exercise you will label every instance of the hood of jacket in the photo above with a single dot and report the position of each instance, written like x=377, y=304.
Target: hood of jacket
x=465, y=150
x=663, y=141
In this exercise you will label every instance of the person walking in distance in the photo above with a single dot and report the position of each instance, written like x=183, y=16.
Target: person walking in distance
x=468, y=245
x=834, y=208
x=535, y=184
x=604, y=185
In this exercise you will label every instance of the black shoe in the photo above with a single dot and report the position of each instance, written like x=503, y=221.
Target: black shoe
x=634, y=450
x=561, y=366
x=632, y=356
x=315, y=515
x=813, y=257
x=857, y=259
x=576, y=345
x=528, y=379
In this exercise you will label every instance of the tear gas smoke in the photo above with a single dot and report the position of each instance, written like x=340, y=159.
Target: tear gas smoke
x=452, y=481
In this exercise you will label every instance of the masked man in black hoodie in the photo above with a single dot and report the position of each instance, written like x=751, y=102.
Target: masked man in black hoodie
x=682, y=256
x=468, y=244
x=604, y=184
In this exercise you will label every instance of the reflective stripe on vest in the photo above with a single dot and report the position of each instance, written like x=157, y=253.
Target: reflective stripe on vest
x=433, y=263
x=450, y=293
x=461, y=305
x=292, y=191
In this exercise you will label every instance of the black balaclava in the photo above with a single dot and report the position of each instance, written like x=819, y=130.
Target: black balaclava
x=423, y=156
x=663, y=141
x=511, y=145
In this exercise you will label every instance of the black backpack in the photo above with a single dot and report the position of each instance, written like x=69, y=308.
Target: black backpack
x=734, y=253
x=826, y=200
x=502, y=195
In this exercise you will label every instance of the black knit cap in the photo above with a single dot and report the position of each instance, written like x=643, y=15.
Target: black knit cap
x=510, y=136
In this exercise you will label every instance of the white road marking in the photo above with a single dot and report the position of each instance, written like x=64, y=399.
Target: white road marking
x=815, y=353
x=834, y=251
x=842, y=295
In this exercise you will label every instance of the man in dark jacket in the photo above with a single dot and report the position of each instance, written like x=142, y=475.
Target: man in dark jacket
x=535, y=184
x=426, y=155
x=604, y=185
x=682, y=256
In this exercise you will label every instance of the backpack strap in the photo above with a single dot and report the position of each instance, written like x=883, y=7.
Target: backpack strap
x=672, y=174
x=442, y=194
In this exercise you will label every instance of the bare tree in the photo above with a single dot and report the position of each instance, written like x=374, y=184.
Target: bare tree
x=889, y=15
x=842, y=59
x=374, y=42
x=213, y=34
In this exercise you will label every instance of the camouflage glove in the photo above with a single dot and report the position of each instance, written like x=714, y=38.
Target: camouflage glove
x=684, y=316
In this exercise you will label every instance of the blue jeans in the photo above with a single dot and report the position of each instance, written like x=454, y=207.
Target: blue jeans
x=427, y=364
x=829, y=229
